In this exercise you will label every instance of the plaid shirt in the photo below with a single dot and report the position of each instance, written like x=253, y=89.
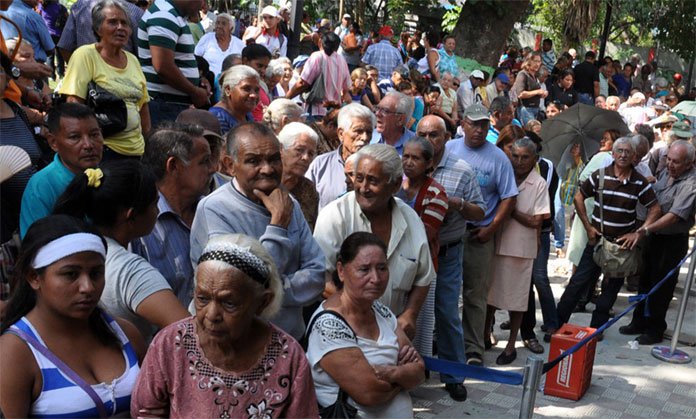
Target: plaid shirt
x=383, y=56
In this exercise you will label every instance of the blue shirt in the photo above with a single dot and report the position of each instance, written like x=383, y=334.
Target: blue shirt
x=227, y=121
x=493, y=171
x=326, y=171
x=42, y=192
x=399, y=145
x=383, y=56
x=33, y=27
x=492, y=136
x=167, y=248
x=448, y=63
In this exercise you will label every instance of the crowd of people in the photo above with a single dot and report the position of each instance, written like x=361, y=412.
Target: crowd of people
x=222, y=231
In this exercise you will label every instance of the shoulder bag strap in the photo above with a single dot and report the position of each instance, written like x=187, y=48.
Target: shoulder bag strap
x=63, y=368
x=601, y=200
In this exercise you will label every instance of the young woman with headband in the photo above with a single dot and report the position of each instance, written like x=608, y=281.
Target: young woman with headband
x=59, y=278
x=120, y=200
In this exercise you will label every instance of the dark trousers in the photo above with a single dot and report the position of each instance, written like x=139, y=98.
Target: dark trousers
x=540, y=281
x=586, y=272
x=162, y=110
x=662, y=254
x=55, y=60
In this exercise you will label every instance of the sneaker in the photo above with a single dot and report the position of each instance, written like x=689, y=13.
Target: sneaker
x=474, y=359
x=457, y=391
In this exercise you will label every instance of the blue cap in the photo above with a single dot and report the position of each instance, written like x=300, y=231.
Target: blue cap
x=503, y=78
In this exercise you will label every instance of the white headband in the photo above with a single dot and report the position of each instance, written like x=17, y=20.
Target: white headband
x=66, y=246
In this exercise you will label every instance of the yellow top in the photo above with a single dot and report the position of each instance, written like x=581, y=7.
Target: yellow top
x=127, y=83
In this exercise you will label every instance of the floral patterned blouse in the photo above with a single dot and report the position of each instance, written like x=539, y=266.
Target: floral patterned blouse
x=177, y=376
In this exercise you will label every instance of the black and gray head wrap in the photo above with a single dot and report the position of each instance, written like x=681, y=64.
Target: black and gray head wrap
x=241, y=258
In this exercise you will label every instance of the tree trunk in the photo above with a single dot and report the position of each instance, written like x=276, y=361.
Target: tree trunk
x=483, y=28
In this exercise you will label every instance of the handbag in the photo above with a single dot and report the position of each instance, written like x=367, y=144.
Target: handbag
x=317, y=93
x=109, y=109
x=614, y=260
x=340, y=409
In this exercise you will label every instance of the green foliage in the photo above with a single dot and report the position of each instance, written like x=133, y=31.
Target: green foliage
x=450, y=18
x=675, y=23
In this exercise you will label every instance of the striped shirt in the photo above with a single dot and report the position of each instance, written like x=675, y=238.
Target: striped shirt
x=163, y=26
x=61, y=397
x=620, y=199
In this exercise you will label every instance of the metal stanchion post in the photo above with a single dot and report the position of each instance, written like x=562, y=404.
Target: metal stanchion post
x=670, y=353
x=530, y=385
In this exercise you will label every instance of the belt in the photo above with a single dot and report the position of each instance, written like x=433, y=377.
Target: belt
x=446, y=247
x=471, y=227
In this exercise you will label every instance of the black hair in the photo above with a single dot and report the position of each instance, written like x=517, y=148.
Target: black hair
x=425, y=145
x=628, y=64
x=547, y=41
x=535, y=139
x=255, y=129
x=170, y=139
x=646, y=131
x=67, y=110
x=590, y=54
x=356, y=26
x=566, y=72
x=228, y=61
x=433, y=88
x=6, y=62
x=499, y=104
x=23, y=297
x=433, y=38
x=330, y=41
x=255, y=51
x=125, y=184
x=352, y=245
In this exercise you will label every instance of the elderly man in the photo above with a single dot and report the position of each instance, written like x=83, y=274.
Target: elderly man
x=497, y=87
x=74, y=134
x=499, y=189
x=355, y=124
x=667, y=242
x=466, y=93
x=624, y=188
x=393, y=112
x=371, y=206
x=254, y=203
x=180, y=158
x=465, y=203
x=502, y=113
x=382, y=54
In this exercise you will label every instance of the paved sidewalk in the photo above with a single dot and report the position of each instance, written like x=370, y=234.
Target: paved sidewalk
x=626, y=383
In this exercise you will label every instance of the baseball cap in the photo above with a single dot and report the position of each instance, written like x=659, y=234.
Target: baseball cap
x=476, y=112
x=682, y=130
x=347, y=16
x=503, y=78
x=477, y=74
x=402, y=70
x=270, y=11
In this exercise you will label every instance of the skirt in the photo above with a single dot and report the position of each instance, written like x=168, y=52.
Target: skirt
x=510, y=282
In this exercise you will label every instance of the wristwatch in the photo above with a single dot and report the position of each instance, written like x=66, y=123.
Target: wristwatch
x=16, y=72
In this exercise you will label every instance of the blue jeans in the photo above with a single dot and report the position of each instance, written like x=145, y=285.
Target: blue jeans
x=526, y=114
x=559, y=222
x=161, y=110
x=540, y=279
x=448, y=325
x=586, y=98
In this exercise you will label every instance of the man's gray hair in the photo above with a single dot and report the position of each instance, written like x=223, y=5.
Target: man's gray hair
x=385, y=154
x=98, y=14
x=236, y=74
x=404, y=103
x=499, y=104
x=624, y=140
x=354, y=111
x=690, y=149
x=292, y=131
x=276, y=110
x=527, y=143
x=639, y=140
x=229, y=18
x=275, y=68
x=170, y=139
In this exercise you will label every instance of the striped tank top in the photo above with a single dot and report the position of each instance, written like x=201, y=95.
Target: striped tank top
x=62, y=397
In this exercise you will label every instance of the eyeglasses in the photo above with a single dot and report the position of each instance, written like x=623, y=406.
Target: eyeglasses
x=455, y=84
x=385, y=111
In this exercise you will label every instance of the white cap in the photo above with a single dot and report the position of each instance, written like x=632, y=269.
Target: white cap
x=347, y=16
x=477, y=74
x=270, y=11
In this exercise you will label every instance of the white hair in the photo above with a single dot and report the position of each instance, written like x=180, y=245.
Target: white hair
x=275, y=68
x=254, y=247
x=292, y=131
x=385, y=154
x=279, y=108
x=404, y=103
x=354, y=111
x=235, y=74
x=228, y=17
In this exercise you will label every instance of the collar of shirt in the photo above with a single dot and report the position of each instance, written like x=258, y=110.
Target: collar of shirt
x=398, y=221
x=378, y=138
x=165, y=209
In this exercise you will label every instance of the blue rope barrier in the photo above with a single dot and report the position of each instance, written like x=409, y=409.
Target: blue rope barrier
x=480, y=373
x=635, y=299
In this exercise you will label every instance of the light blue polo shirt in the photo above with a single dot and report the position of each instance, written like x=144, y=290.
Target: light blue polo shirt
x=399, y=145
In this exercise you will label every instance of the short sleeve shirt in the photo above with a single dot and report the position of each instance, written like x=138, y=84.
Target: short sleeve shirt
x=620, y=199
x=586, y=74
x=679, y=198
x=336, y=77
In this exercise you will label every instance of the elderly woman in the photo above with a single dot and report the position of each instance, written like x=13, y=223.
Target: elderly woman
x=228, y=360
x=241, y=85
x=116, y=70
x=514, y=256
x=447, y=108
x=299, y=149
x=282, y=112
x=283, y=85
x=355, y=345
x=371, y=206
x=275, y=72
x=55, y=335
x=215, y=46
x=527, y=88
